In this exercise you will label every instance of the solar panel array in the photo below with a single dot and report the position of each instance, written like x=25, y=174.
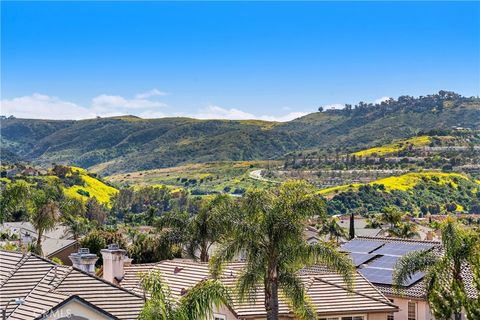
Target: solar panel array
x=360, y=258
x=400, y=249
x=385, y=262
x=385, y=276
x=376, y=259
x=362, y=246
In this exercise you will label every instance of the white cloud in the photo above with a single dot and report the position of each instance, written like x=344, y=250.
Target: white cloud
x=380, y=100
x=106, y=101
x=284, y=118
x=216, y=112
x=40, y=106
x=150, y=93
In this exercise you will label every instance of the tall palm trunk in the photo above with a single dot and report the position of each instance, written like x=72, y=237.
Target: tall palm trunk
x=204, y=253
x=39, y=242
x=271, y=295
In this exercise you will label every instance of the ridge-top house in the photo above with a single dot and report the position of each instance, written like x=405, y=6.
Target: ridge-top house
x=375, y=259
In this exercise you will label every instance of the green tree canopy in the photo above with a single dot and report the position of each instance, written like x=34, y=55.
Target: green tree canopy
x=269, y=233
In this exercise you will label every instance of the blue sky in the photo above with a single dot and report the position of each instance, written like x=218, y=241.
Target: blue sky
x=230, y=60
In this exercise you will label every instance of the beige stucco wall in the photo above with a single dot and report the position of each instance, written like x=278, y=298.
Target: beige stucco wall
x=423, y=312
x=224, y=311
x=75, y=308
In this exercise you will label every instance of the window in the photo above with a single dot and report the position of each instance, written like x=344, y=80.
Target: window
x=219, y=317
x=412, y=311
x=330, y=318
x=353, y=318
x=390, y=316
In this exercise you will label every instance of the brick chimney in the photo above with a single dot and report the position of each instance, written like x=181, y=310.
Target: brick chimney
x=113, y=262
x=84, y=260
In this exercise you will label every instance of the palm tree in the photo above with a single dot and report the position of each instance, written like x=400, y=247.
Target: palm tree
x=444, y=280
x=44, y=216
x=392, y=215
x=332, y=229
x=406, y=230
x=13, y=199
x=269, y=231
x=200, y=231
x=73, y=217
x=197, y=303
x=208, y=226
x=76, y=225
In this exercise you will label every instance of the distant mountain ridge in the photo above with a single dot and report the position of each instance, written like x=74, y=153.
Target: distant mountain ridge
x=122, y=144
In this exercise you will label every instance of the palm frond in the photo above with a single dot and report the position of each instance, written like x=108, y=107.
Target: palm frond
x=323, y=253
x=199, y=301
x=294, y=292
x=412, y=263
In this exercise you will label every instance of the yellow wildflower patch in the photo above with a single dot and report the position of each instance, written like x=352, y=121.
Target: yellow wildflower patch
x=394, y=147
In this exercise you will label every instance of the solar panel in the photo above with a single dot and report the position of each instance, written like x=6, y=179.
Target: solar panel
x=384, y=276
x=400, y=249
x=385, y=262
x=360, y=258
x=362, y=246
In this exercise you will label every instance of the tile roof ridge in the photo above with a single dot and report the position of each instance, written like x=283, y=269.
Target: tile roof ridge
x=86, y=273
x=33, y=289
x=60, y=279
x=357, y=292
x=18, y=265
x=394, y=239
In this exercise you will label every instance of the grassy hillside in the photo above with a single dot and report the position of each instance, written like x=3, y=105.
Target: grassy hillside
x=418, y=193
x=231, y=177
x=125, y=144
x=397, y=146
x=92, y=187
x=78, y=183
x=403, y=182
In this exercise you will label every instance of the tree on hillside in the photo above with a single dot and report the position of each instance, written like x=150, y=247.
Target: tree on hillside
x=444, y=279
x=332, y=229
x=13, y=198
x=269, y=231
x=196, y=303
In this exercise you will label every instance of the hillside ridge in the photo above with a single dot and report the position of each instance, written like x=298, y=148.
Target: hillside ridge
x=129, y=143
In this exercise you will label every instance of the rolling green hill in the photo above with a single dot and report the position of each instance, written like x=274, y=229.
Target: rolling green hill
x=123, y=144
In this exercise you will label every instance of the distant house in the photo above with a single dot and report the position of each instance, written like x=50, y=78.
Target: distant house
x=30, y=172
x=57, y=242
x=375, y=258
x=327, y=291
x=41, y=289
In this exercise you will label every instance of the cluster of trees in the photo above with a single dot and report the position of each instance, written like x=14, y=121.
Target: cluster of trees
x=45, y=205
x=447, y=273
x=266, y=227
x=434, y=102
x=425, y=197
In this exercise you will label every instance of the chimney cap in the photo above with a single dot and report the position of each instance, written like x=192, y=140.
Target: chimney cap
x=113, y=246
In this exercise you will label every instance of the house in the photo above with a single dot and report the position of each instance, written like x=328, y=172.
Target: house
x=32, y=287
x=375, y=258
x=57, y=242
x=327, y=291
